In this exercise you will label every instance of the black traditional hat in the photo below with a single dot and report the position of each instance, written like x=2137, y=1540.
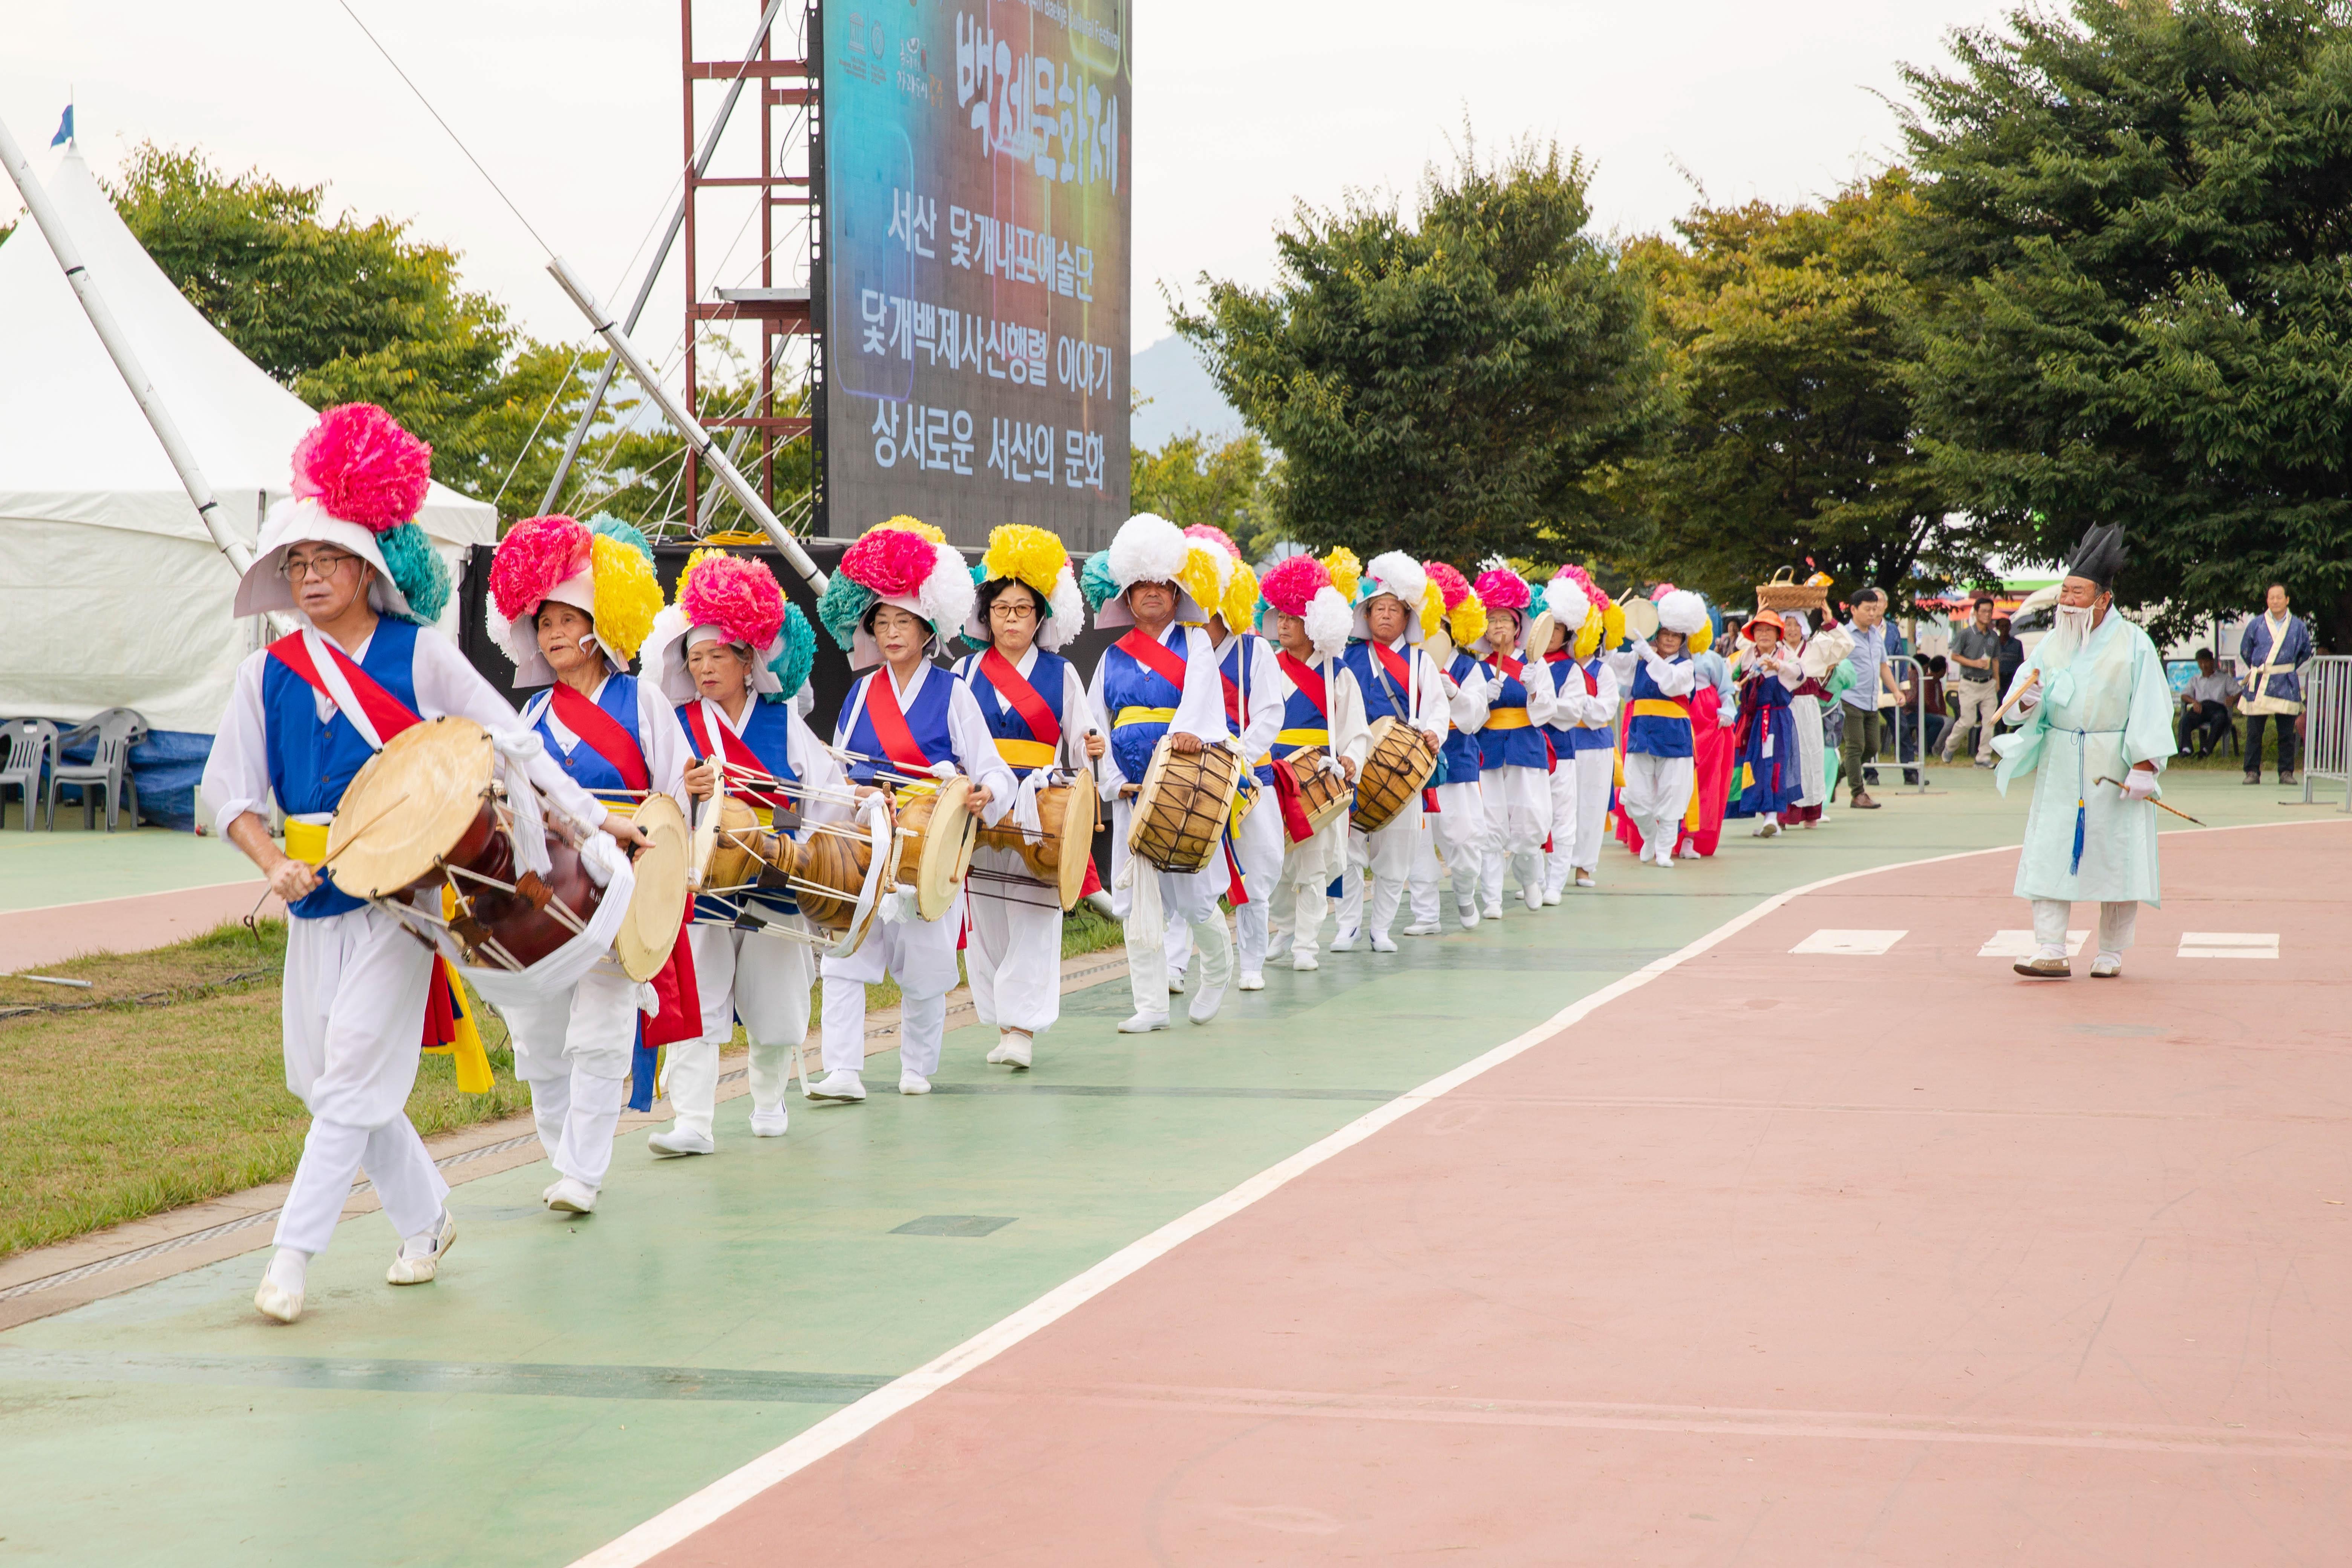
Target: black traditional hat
x=2099, y=556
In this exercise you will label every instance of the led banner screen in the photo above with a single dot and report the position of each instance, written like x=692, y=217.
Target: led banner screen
x=976, y=201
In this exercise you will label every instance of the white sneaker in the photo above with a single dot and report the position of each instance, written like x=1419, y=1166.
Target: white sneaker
x=280, y=1295
x=569, y=1196
x=1551, y=896
x=773, y=1123
x=1383, y=943
x=1469, y=920
x=1422, y=927
x=548, y=1192
x=841, y=1083
x=2107, y=966
x=419, y=1258
x=1303, y=962
x=1535, y=900
x=1252, y=981
x=1205, y=1004
x=675, y=1140
x=1345, y=942
x=1011, y=1049
x=1585, y=879
x=1493, y=911
x=1665, y=858
x=913, y=1083
x=1142, y=1023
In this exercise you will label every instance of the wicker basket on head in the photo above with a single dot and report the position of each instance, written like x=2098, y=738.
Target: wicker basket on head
x=1785, y=593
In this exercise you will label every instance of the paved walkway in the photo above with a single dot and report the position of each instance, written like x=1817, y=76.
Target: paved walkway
x=565, y=1383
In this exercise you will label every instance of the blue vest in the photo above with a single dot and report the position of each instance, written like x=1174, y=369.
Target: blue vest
x=1048, y=675
x=1655, y=736
x=768, y=732
x=1519, y=748
x=1463, y=752
x=1574, y=738
x=927, y=722
x=1300, y=713
x=1383, y=698
x=1128, y=682
x=311, y=763
x=584, y=764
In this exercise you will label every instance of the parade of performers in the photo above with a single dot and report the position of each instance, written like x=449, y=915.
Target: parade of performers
x=1258, y=742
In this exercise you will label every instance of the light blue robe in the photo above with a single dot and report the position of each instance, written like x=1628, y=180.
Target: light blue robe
x=2109, y=706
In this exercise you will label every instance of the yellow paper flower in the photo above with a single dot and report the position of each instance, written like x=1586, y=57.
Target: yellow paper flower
x=1468, y=622
x=1241, y=599
x=912, y=525
x=1027, y=554
x=1202, y=574
x=1347, y=571
x=628, y=595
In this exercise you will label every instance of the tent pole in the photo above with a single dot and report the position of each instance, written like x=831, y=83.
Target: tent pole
x=117, y=348
x=653, y=269
x=746, y=495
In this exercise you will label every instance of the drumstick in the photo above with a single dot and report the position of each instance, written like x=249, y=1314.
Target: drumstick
x=706, y=832
x=2033, y=679
x=329, y=860
x=2158, y=803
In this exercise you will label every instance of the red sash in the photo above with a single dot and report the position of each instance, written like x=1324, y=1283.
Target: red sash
x=1285, y=795
x=606, y=735
x=1511, y=666
x=388, y=713
x=1309, y=682
x=890, y=723
x=1394, y=662
x=1021, y=696
x=1163, y=660
x=733, y=750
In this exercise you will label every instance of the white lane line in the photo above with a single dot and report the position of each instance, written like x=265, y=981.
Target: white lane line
x=732, y=1490
x=2021, y=944
x=1851, y=943
x=2228, y=944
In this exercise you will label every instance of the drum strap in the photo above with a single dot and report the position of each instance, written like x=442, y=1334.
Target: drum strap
x=1163, y=661
x=890, y=723
x=732, y=750
x=1395, y=675
x=374, y=713
x=1021, y=696
x=583, y=717
x=1309, y=681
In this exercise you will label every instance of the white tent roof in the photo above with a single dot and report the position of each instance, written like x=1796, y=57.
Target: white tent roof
x=111, y=592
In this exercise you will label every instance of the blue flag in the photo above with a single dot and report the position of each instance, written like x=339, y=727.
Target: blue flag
x=65, y=129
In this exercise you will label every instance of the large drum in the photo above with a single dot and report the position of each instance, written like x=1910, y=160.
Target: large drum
x=657, y=903
x=428, y=811
x=828, y=874
x=1324, y=795
x=1641, y=618
x=1183, y=809
x=1399, y=765
x=933, y=848
x=1058, y=853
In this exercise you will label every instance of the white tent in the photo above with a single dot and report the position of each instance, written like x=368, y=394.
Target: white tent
x=111, y=593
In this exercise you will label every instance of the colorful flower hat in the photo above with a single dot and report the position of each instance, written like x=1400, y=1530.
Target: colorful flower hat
x=902, y=563
x=1680, y=610
x=1148, y=547
x=1019, y=554
x=1399, y=576
x=1604, y=621
x=1301, y=585
x=1347, y=571
x=1569, y=608
x=1499, y=587
x=736, y=600
x=359, y=482
x=605, y=570
x=1452, y=603
x=1237, y=601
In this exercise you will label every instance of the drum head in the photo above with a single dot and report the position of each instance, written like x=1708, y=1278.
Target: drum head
x=1641, y=618
x=1439, y=645
x=1077, y=843
x=1540, y=636
x=408, y=807
x=946, y=850
x=658, y=902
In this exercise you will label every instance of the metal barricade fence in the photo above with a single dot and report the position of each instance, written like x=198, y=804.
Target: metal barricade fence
x=1911, y=673
x=2327, y=724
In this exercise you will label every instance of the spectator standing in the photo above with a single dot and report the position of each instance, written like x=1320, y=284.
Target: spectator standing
x=2012, y=651
x=2205, y=706
x=1977, y=656
x=2273, y=650
x=1933, y=719
x=1866, y=672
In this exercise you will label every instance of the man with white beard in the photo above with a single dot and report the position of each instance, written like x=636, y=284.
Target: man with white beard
x=2098, y=712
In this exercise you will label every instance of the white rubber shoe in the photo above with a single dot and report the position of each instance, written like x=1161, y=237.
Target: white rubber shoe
x=280, y=1295
x=772, y=1123
x=419, y=1258
x=913, y=1083
x=1585, y=879
x=570, y=1195
x=1253, y=981
x=1175, y=983
x=1492, y=912
x=1344, y=942
x=839, y=1084
x=1383, y=943
x=1303, y=962
x=1205, y=1004
x=1142, y=1023
x=675, y=1140
x=1550, y=898
x=2107, y=966
x=1013, y=1048
x=1422, y=927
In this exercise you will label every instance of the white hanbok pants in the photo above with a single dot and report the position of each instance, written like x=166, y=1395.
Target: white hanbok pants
x=1300, y=896
x=1258, y=849
x=1579, y=805
x=1518, y=820
x=1657, y=792
x=1457, y=834
x=2118, y=922
x=763, y=980
x=1145, y=899
x=920, y=955
x=574, y=1049
x=1388, y=856
x=1014, y=953
x=353, y=1012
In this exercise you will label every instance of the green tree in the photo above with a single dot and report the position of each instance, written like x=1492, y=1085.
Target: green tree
x=2146, y=207
x=1233, y=486
x=1444, y=384
x=1789, y=332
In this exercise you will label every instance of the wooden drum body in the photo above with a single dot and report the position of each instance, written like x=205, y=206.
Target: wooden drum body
x=1399, y=765
x=933, y=847
x=1324, y=793
x=1058, y=854
x=1183, y=809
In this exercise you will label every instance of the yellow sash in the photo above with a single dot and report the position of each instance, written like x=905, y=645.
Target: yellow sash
x=1659, y=708
x=1143, y=716
x=306, y=841
x=1295, y=738
x=1029, y=754
x=1508, y=718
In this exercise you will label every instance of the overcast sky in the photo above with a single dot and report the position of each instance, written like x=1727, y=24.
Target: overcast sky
x=1242, y=107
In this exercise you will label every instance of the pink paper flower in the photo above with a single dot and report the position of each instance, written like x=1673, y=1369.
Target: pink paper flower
x=1450, y=583
x=1216, y=536
x=1293, y=582
x=536, y=554
x=892, y=562
x=362, y=468
x=1502, y=589
x=737, y=595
